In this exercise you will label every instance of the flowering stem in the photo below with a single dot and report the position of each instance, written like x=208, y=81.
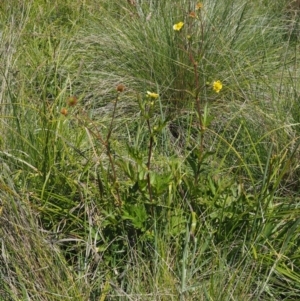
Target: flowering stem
x=108, y=150
x=149, y=159
x=197, y=98
x=112, y=119
x=106, y=144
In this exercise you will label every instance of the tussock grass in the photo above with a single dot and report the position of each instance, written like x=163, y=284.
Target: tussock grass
x=190, y=194
x=32, y=267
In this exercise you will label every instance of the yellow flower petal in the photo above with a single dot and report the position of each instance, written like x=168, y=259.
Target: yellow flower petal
x=178, y=26
x=217, y=86
x=152, y=95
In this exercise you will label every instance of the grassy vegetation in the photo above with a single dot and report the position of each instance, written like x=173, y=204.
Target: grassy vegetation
x=128, y=172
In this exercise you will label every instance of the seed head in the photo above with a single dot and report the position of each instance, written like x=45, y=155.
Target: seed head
x=72, y=101
x=120, y=88
x=64, y=111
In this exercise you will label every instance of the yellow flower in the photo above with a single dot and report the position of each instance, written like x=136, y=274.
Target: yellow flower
x=217, y=86
x=199, y=5
x=178, y=26
x=152, y=95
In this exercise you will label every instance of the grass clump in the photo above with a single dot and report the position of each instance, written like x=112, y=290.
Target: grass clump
x=150, y=151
